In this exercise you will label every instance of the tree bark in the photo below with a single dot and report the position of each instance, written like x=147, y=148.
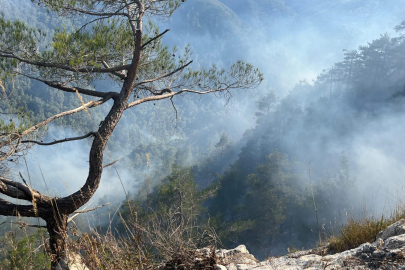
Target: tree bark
x=57, y=229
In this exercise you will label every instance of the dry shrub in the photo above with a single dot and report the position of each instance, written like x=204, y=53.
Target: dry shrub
x=356, y=232
x=106, y=251
x=164, y=241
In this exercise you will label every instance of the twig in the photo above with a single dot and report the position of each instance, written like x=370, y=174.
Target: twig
x=112, y=163
x=166, y=75
x=92, y=209
x=174, y=107
x=22, y=178
x=78, y=212
x=120, y=75
x=22, y=224
x=64, y=140
x=152, y=39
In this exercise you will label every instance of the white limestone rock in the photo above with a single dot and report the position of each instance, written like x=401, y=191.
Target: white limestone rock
x=73, y=262
x=388, y=251
x=395, y=229
x=395, y=242
x=238, y=255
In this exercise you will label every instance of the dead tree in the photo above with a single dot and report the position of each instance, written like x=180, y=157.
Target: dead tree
x=111, y=43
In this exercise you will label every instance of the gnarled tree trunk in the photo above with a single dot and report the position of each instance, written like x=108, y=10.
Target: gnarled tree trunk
x=57, y=229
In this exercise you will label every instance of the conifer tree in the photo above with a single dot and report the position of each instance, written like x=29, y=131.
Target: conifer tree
x=114, y=41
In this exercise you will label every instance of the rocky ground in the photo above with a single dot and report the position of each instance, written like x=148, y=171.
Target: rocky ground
x=387, y=252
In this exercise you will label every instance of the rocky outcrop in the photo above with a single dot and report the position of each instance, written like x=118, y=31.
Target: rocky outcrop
x=386, y=253
x=72, y=262
x=233, y=257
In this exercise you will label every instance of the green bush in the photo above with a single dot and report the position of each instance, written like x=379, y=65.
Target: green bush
x=27, y=253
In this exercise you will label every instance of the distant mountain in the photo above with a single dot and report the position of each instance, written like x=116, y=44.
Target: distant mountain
x=207, y=17
x=267, y=10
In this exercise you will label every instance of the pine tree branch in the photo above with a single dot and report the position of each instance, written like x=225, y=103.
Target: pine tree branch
x=63, y=140
x=164, y=76
x=63, y=67
x=63, y=87
x=152, y=39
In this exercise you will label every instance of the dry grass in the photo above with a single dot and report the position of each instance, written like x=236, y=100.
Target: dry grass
x=107, y=251
x=356, y=232
x=163, y=241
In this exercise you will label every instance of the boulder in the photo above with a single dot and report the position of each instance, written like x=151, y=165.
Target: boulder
x=72, y=262
x=395, y=229
x=239, y=255
x=395, y=242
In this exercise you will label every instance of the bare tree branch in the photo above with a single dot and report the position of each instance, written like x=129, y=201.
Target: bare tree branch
x=171, y=94
x=9, y=143
x=78, y=212
x=164, y=76
x=16, y=136
x=63, y=87
x=63, y=140
x=102, y=14
x=151, y=98
x=118, y=74
x=13, y=192
x=89, y=210
x=152, y=39
x=92, y=21
x=174, y=107
x=10, y=209
x=87, y=105
x=22, y=178
x=30, y=194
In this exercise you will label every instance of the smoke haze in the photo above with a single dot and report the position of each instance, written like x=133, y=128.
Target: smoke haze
x=291, y=42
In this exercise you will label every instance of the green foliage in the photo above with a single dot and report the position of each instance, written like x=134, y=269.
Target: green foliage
x=400, y=27
x=172, y=221
x=27, y=253
x=17, y=38
x=239, y=74
x=223, y=141
x=274, y=188
x=231, y=191
x=178, y=192
x=110, y=40
x=266, y=103
x=249, y=209
x=71, y=6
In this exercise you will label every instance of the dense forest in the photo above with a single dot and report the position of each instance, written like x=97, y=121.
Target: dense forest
x=275, y=168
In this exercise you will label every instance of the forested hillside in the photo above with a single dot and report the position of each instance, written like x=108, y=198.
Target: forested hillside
x=275, y=168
